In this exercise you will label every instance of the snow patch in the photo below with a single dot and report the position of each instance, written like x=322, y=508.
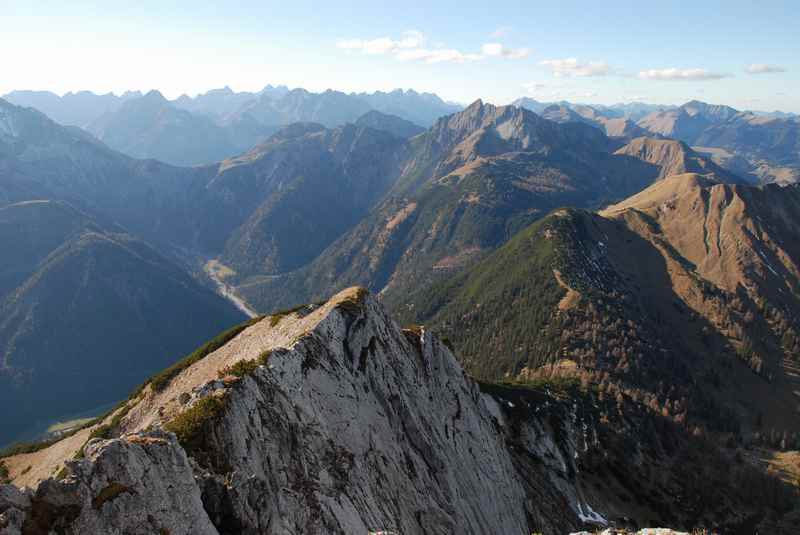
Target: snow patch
x=587, y=514
x=769, y=266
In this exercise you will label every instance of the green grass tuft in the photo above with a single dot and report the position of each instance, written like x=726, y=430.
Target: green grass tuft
x=3, y=473
x=188, y=426
x=245, y=367
x=62, y=474
x=276, y=317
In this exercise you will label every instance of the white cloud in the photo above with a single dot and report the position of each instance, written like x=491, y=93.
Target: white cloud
x=412, y=39
x=763, y=68
x=681, y=74
x=410, y=48
x=498, y=50
x=436, y=55
x=383, y=45
x=573, y=67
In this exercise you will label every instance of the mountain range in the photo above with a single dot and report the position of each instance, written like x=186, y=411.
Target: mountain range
x=220, y=123
x=757, y=146
x=466, y=186
x=624, y=304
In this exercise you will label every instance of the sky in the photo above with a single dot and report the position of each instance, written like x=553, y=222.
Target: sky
x=742, y=53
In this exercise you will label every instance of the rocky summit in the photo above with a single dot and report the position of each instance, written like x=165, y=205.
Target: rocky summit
x=327, y=419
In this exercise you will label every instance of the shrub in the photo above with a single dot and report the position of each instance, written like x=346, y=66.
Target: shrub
x=276, y=317
x=188, y=426
x=245, y=367
x=103, y=431
x=3, y=473
x=27, y=447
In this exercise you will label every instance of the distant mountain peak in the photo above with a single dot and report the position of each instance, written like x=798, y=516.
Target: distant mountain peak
x=674, y=157
x=386, y=122
x=476, y=105
x=154, y=94
x=298, y=129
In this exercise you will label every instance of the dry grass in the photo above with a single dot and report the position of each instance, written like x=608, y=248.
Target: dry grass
x=784, y=464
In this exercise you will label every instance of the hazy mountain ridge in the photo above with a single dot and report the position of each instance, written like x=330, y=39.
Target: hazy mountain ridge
x=674, y=158
x=765, y=148
x=301, y=190
x=44, y=160
x=467, y=185
x=87, y=312
x=761, y=147
x=393, y=124
x=420, y=108
x=72, y=109
x=221, y=123
x=199, y=209
x=152, y=127
x=449, y=194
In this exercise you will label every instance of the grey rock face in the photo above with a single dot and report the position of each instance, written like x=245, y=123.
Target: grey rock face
x=357, y=426
x=141, y=484
x=13, y=503
x=362, y=427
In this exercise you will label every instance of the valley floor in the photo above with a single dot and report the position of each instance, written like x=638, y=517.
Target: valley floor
x=217, y=272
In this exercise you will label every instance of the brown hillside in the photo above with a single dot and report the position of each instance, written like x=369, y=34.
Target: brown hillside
x=673, y=158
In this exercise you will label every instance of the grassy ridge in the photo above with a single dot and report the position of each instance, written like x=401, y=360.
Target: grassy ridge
x=162, y=380
x=504, y=306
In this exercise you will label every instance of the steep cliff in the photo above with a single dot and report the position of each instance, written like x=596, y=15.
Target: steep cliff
x=333, y=419
x=330, y=419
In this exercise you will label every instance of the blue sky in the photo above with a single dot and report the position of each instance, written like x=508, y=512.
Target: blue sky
x=596, y=52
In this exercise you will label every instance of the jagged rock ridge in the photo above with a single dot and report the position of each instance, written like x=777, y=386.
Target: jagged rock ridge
x=348, y=425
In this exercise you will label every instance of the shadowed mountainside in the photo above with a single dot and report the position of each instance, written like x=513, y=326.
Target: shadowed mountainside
x=87, y=312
